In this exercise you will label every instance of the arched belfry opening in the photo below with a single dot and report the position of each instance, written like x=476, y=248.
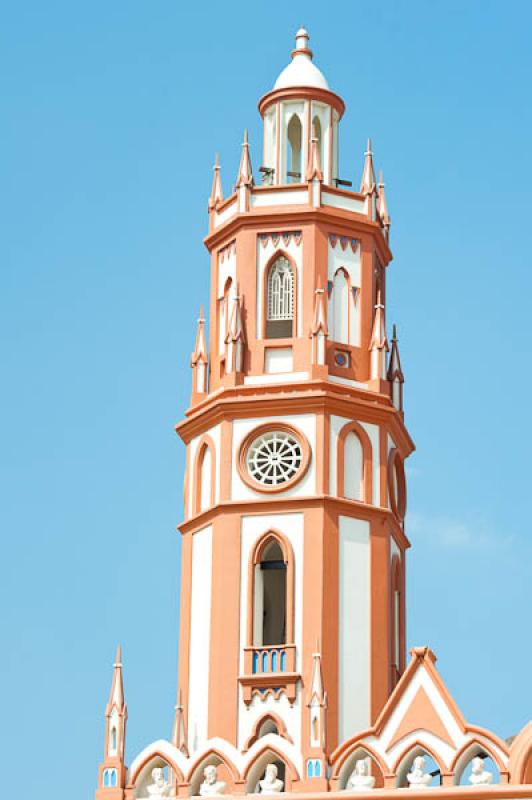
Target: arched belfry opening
x=317, y=134
x=270, y=596
x=293, y=152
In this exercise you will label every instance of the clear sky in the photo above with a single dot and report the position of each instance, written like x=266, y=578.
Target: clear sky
x=111, y=114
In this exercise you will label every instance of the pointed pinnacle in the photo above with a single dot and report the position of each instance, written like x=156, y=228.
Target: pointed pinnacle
x=118, y=657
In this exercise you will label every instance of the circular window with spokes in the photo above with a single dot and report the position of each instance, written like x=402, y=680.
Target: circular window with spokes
x=273, y=457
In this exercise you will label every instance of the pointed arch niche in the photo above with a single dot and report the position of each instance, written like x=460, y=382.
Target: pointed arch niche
x=317, y=133
x=256, y=769
x=227, y=772
x=405, y=763
x=143, y=776
x=270, y=723
x=204, y=476
x=463, y=763
x=294, y=140
x=359, y=752
x=354, y=467
x=343, y=308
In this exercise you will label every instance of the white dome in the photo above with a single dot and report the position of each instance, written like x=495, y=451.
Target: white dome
x=301, y=71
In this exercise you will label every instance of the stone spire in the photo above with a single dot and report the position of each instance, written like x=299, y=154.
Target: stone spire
x=395, y=373
x=379, y=343
x=112, y=770
x=368, y=182
x=199, y=361
x=382, y=207
x=216, y=192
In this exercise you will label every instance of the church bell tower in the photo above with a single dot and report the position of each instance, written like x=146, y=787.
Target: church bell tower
x=293, y=542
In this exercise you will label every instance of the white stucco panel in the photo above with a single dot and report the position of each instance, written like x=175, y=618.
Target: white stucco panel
x=200, y=634
x=354, y=624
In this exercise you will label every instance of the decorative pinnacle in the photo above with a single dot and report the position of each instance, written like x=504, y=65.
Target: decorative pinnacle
x=302, y=40
x=118, y=657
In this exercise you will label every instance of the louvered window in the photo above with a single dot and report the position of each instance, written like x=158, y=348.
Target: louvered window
x=280, y=304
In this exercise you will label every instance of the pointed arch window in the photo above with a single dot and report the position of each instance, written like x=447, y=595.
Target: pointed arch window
x=293, y=154
x=341, y=306
x=354, y=463
x=271, y=593
x=204, y=477
x=280, y=300
x=316, y=131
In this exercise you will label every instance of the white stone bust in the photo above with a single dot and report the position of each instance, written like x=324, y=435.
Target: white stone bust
x=417, y=777
x=159, y=787
x=360, y=780
x=479, y=775
x=271, y=784
x=211, y=786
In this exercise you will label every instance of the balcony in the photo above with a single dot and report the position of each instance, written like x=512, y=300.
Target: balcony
x=269, y=668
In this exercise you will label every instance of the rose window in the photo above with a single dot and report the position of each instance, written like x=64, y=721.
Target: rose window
x=274, y=458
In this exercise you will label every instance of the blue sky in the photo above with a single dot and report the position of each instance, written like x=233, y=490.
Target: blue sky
x=112, y=113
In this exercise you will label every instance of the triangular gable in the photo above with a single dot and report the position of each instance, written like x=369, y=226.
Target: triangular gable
x=421, y=715
x=420, y=702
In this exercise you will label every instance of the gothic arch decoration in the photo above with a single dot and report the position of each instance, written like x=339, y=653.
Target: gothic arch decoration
x=345, y=763
x=280, y=312
x=140, y=774
x=256, y=734
x=341, y=307
x=404, y=761
x=367, y=459
x=255, y=560
x=397, y=484
x=205, y=453
x=294, y=149
x=472, y=748
x=257, y=765
x=227, y=770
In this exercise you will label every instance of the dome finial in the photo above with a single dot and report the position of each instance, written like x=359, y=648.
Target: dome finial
x=302, y=40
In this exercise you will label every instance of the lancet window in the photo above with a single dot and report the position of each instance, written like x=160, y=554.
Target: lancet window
x=280, y=300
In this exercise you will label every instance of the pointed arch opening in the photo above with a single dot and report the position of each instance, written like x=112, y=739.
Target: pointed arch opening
x=226, y=771
x=255, y=772
x=355, y=463
x=476, y=765
x=270, y=723
x=204, y=476
x=271, y=593
x=294, y=136
x=317, y=133
x=372, y=764
x=409, y=763
x=280, y=303
x=156, y=770
x=341, y=317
